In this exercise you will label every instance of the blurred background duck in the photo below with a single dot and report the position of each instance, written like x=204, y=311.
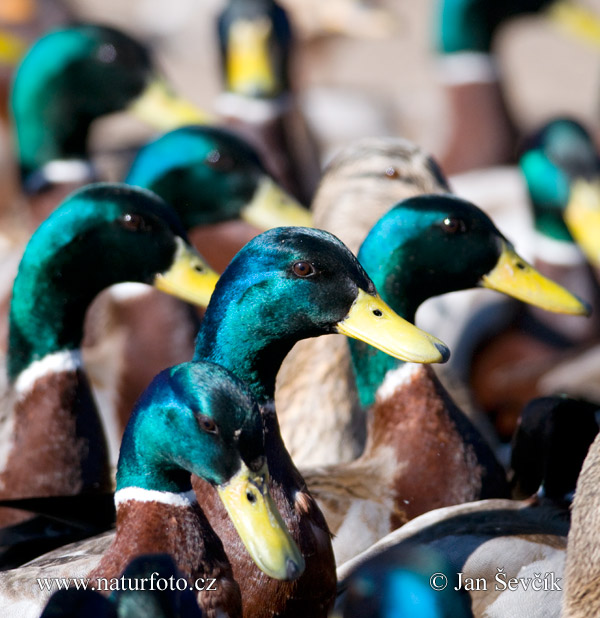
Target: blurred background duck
x=560, y=165
x=132, y=601
x=256, y=45
x=52, y=436
x=307, y=283
x=194, y=418
x=67, y=80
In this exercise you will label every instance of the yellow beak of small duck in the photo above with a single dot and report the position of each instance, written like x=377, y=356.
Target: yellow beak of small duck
x=582, y=217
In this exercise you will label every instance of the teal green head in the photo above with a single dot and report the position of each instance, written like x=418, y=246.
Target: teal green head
x=101, y=235
x=561, y=167
x=292, y=283
x=197, y=418
x=433, y=244
x=72, y=76
x=209, y=175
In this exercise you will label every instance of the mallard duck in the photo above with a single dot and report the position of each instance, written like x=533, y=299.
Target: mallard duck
x=422, y=452
x=256, y=45
x=196, y=418
x=136, y=599
x=399, y=583
x=549, y=446
x=52, y=440
x=286, y=284
x=224, y=197
x=560, y=167
x=69, y=78
x=492, y=541
x=380, y=171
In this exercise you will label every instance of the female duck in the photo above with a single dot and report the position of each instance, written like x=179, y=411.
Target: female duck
x=103, y=234
x=285, y=285
x=196, y=418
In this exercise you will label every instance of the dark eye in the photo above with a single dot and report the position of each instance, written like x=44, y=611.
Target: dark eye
x=392, y=172
x=303, y=269
x=207, y=424
x=453, y=225
x=219, y=161
x=135, y=223
x=106, y=53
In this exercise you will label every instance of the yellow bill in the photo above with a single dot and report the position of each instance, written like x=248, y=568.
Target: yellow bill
x=161, y=108
x=512, y=275
x=372, y=321
x=249, y=504
x=272, y=207
x=189, y=277
x=582, y=217
x=249, y=71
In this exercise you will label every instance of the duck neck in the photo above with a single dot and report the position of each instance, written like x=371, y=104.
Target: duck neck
x=47, y=311
x=371, y=365
x=236, y=337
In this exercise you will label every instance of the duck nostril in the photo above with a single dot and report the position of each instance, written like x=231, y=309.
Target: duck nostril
x=251, y=497
x=377, y=312
x=520, y=265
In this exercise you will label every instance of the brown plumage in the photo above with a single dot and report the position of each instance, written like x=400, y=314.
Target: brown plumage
x=187, y=537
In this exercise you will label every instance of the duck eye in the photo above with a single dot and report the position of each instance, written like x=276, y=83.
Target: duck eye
x=303, y=269
x=135, y=223
x=207, y=424
x=106, y=53
x=453, y=225
x=392, y=172
x=219, y=161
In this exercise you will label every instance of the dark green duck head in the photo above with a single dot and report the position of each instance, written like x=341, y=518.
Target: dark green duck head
x=289, y=284
x=562, y=170
x=433, y=244
x=198, y=418
x=210, y=175
x=101, y=235
x=69, y=78
x=255, y=41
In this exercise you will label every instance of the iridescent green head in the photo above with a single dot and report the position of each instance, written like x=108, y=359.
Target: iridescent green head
x=198, y=418
x=561, y=153
x=69, y=78
x=288, y=284
x=210, y=175
x=100, y=235
x=72, y=76
x=434, y=244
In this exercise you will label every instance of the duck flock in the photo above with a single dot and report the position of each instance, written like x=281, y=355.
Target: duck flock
x=215, y=401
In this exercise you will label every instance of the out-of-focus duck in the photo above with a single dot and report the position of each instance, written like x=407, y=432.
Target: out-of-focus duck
x=422, y=453
x=256, y=45
x=380, y=172
x=561, y=167
x=135, y=599
x=194, y=418
x=287, y=284
x=69, y=78
x=103, y=234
